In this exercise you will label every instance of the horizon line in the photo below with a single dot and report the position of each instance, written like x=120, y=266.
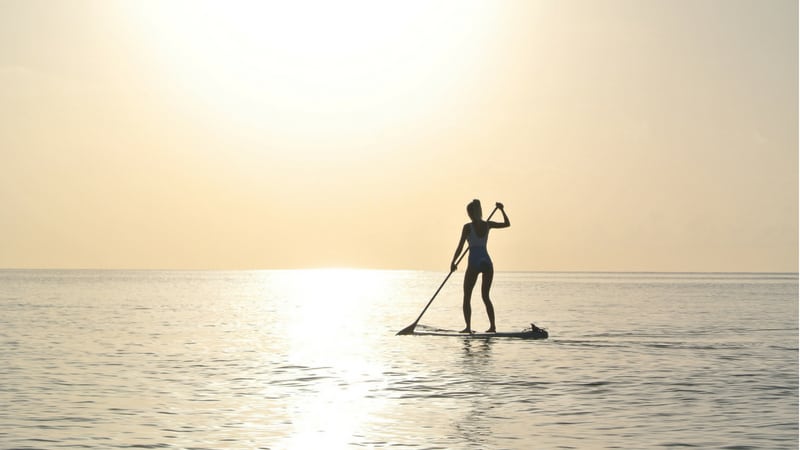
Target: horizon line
x=334, y=268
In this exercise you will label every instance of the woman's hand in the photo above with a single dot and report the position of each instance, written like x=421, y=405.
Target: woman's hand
x=506, y=223
x=453, y=267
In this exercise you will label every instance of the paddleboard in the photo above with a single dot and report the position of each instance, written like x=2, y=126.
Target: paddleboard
x=530, y=333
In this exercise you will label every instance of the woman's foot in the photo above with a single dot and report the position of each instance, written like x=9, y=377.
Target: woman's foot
x=491, y=330
x=466, y=330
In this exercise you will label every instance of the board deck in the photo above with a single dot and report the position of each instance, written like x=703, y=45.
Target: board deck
x=531, y=333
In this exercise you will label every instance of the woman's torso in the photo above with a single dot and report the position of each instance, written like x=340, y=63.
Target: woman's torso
x=477, y=238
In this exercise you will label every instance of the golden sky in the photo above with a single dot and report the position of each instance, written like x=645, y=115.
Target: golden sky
x=621, y=135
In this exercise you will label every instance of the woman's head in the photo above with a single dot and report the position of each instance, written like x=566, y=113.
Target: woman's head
x=474, y=210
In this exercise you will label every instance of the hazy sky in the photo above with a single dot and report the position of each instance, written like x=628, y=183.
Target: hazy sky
x=621, y=135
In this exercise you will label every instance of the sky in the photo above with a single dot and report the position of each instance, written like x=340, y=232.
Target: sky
x=621, y=135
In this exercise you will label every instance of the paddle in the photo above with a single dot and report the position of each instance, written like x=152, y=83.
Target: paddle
x=410, y=329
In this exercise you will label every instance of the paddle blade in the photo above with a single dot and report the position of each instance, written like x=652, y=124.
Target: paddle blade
x=407, y=330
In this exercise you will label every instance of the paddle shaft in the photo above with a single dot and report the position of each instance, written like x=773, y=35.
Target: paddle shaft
x=409, y=329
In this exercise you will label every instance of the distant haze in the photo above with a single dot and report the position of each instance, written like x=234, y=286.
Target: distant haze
x=621, y=135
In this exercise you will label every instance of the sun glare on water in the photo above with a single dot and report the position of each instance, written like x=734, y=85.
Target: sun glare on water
x=328, y=316
x=332, y=299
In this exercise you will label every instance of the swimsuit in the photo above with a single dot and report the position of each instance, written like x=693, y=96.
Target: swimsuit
x=478, y=256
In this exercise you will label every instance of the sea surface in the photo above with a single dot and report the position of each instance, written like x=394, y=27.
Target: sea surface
x=310, y=360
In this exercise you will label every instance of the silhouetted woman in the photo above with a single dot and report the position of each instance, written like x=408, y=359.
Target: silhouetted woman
x=476, y=233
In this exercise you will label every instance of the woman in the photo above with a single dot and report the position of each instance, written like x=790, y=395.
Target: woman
x=476, y=233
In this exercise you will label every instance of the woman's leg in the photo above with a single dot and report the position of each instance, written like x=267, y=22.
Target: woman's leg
x=470, y=277
x=486, y=285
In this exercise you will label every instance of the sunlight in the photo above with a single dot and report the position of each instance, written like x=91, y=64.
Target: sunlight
x=328, y=318
x=331, y=299
x=330, y=417
x=291, y=62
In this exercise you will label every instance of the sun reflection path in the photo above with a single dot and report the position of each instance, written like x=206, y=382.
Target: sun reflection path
x=335, y=301
x=331, y=343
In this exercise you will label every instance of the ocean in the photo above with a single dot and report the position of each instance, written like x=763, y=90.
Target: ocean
x=309, y=359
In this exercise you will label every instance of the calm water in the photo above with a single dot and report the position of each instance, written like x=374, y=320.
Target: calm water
x=309, y=360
